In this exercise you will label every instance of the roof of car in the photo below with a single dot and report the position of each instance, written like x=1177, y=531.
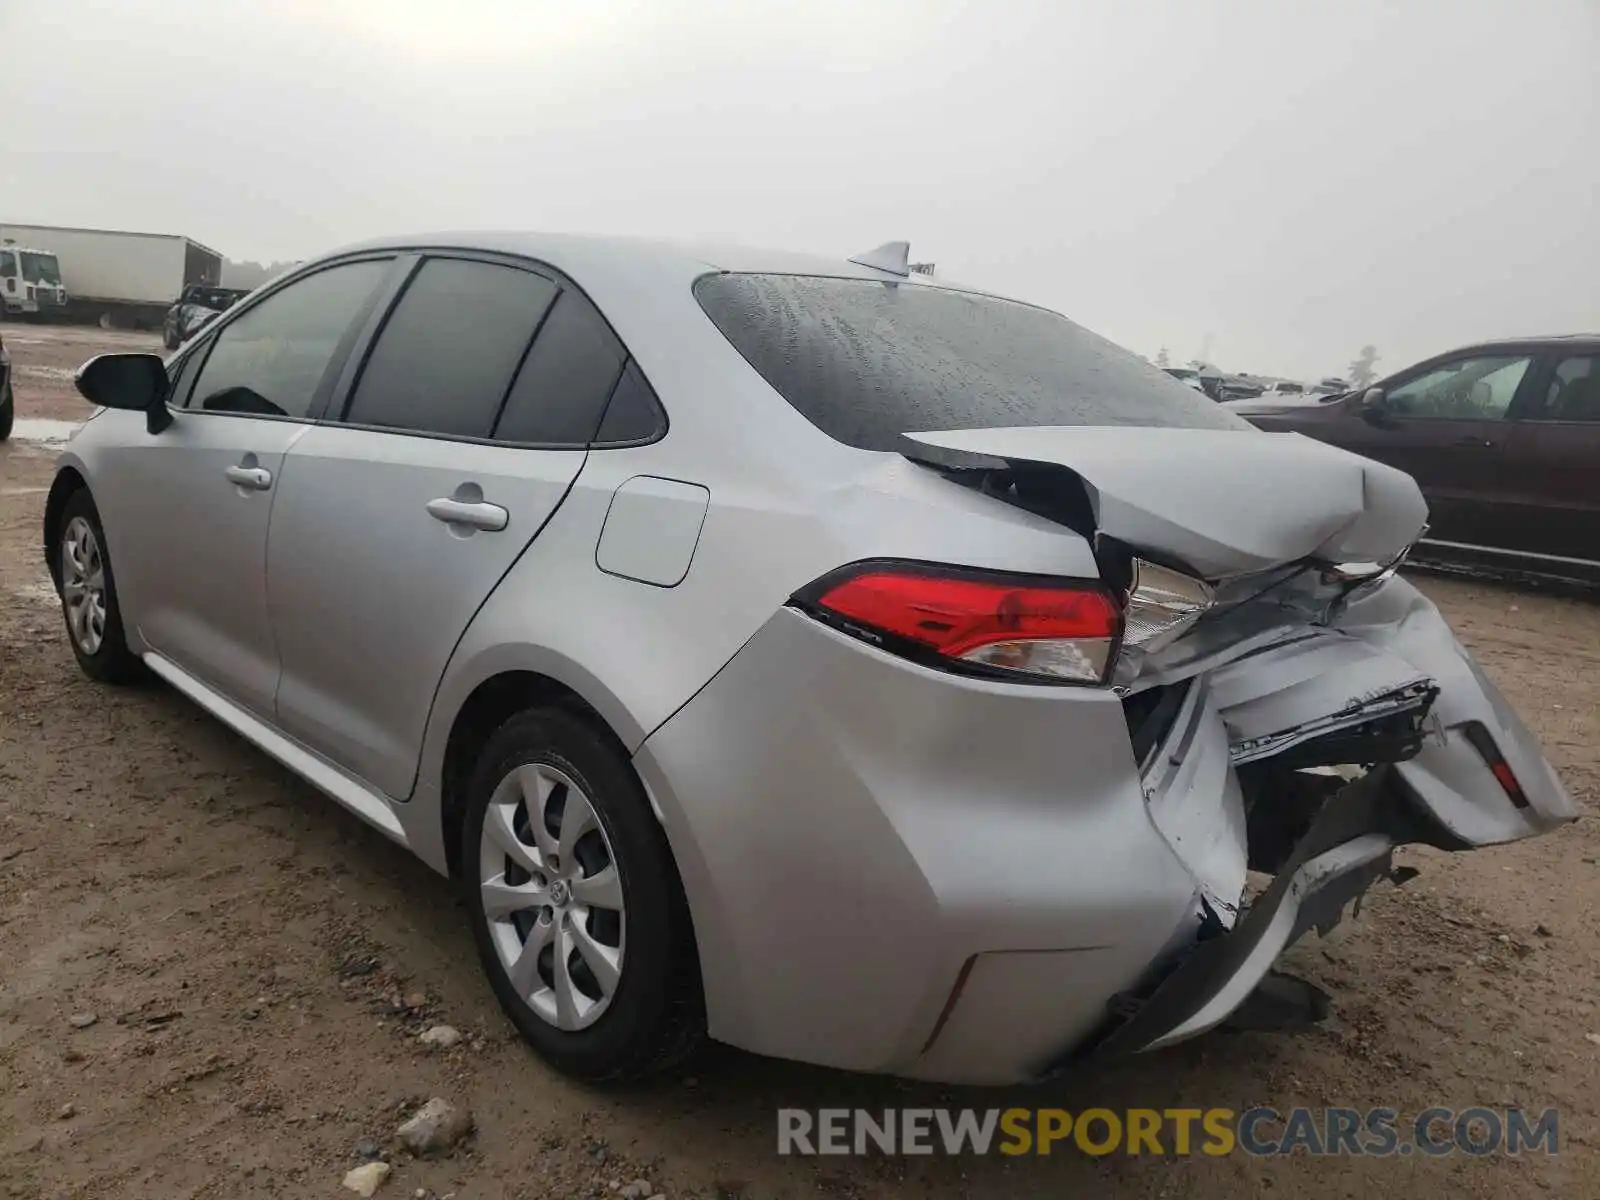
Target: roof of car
x=573, y=252
x=1543, y=339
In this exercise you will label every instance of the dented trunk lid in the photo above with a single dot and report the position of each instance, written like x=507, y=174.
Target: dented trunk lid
x=1222, y=502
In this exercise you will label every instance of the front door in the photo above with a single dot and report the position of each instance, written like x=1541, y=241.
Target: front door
x=192, y=546
x=1447, y=427
x=457, y=444
x=199, y=496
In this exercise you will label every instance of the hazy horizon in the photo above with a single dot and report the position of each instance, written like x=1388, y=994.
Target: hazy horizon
x=1271, y=185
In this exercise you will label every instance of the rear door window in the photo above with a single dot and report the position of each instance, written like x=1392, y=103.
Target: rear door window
x=866, y=362
x=1573, y=393
x=448, y=352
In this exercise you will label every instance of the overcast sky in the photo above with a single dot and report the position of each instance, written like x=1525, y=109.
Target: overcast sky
x=1283, y=181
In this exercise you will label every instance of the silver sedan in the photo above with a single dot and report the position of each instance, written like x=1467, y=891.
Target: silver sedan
x=816, y=656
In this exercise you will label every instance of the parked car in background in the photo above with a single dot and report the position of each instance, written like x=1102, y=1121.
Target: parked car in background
x=1204, y=378
x=1241, y=387
x=8, y=405
x=199, y=305
x=1331, y=386
x=644, y=591
x=1288, y=387
x=1502, y=437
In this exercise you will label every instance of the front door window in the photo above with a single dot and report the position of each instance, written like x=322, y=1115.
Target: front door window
x=1469, y=389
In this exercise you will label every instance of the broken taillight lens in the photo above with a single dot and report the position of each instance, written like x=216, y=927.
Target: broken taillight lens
x=1046, y=629
x=1162, y=605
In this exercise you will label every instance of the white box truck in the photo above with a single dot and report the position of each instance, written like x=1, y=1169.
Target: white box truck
x=109, y=277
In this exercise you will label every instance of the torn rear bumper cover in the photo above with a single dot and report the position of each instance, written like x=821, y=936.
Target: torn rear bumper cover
x=1348, y=848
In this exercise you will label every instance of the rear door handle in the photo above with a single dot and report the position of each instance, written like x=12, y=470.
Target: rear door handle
x=473, y=514
x=257, y=479
x=1468, y=440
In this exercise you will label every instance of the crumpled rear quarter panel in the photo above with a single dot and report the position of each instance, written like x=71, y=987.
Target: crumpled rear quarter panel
x=851, y=828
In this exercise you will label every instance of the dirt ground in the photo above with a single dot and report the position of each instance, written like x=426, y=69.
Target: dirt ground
x=258, y=965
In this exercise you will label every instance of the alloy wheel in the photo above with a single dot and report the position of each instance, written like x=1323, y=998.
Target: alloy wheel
x=549, y=887
x=83, y=585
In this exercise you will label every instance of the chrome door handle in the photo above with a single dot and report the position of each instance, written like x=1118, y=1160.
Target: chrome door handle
x=475, y=515
x=257, y=479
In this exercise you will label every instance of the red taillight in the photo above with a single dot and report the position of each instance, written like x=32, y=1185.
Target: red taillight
x=1017, y=624
x=1502, y=773
x=1483, y=742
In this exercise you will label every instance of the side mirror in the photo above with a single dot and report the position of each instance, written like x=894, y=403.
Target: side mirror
x=131, y=382
x=1375, y=409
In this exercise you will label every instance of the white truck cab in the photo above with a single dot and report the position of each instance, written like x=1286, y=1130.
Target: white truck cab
x=30, y=280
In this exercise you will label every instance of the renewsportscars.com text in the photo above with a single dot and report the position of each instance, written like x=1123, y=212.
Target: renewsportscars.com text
x=1260, y=1131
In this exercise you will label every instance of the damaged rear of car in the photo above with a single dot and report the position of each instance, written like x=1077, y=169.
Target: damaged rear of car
x=1042, y=783
x=1354, y=721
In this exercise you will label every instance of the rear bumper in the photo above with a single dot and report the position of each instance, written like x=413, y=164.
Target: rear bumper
x=1449, y=779
x=893, y=869
x=1346, y=850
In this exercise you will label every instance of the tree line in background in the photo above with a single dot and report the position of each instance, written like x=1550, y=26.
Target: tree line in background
x=1361, y=371
x=236, y=274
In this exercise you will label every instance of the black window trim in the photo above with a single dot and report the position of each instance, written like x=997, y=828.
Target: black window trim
x=191, y=357
x=334, y=369
x=343, y=392
x=335, y=390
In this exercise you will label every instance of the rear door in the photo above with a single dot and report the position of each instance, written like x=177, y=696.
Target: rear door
x=461, y=433
x=1553, y=463
x=1447, y=425
x=191, y=506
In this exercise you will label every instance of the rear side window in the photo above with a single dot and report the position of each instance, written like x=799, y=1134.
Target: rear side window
x=448, y=351
x=866, y=362
x=634, y=415
x=562, y=389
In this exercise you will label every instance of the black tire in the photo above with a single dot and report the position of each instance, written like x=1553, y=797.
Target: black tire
x=656, y=1017
x=8, y=412
x=112, y=662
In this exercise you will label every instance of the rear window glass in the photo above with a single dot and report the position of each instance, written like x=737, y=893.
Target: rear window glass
x=866, y=362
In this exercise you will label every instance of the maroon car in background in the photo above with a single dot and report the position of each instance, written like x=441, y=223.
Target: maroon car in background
x=1504, y=440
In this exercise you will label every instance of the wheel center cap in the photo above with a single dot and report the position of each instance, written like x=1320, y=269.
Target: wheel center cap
x=558, y=892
